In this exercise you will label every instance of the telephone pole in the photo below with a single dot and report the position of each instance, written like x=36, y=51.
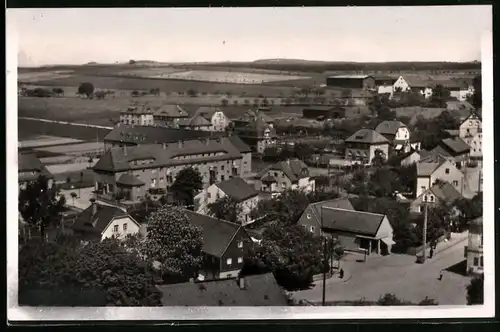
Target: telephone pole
x=324, y=258
x=424, y=240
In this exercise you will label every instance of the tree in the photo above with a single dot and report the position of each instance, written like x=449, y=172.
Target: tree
x=383, y=183
x=379, y=158
x=322, y=182
x=173, y=242
x=67, y=273
x=86, y=89
x=100, y=94
x=285, y=209
x=39, y=205
x=476, y=98
x=469, y=210
x=73, y=196
x=475, y=291
x=135, y=93
x=192, y=93
x=224, y=102
x=440, y=95
x=225, y=208
x=187, y=183
x=303, y=150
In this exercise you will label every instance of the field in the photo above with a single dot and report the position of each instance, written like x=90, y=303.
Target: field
x=42, y=76
x=42, y=141
x=74, y=149
x=428, y=113
x=29, y=129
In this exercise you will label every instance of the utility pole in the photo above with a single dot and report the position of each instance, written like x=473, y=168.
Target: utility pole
x=324, y=258
x=424, y=235
x=479, y=182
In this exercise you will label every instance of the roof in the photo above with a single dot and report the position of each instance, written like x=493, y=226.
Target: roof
x=350, y=76
x=238, y=189
x=453, y=132
x=456, y=145
x=119, y=159
x=457, y=105
x=207, y=112
x=471, y=116
x=239, y=144
x=294, y=169
x=418, y=81
x=339, y=203
x=129, y=180
x=389, y=127
x=29, y=162
x=366, y=135
x=446, y=192
x=88, y=222
x=171, y=111
x=358, y=222
x=256, y=128
x=449, y=84
x=217, y=233
x=196, y=120
x=138, y=109
x=441, y=151
x=259, y=290
x=154, y=135
x=427, y=165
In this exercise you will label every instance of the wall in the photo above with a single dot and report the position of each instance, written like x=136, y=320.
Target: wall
x=470, y=127
x=307, y=184
x=234, y=252
x=246, y=164
x=219, y=121
x=246, y=207
x=358, y=149
x=476, y=145
x=132, y=228
x=440, y=173
x=389, y=89
x=402, y=134
x=402, y=84
x=283, y=182
x=383, y=147
x=411, y=159
x=308, y=220
x=474, y=253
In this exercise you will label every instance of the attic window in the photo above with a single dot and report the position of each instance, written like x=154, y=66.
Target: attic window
x=447, y=171
x=308, y=216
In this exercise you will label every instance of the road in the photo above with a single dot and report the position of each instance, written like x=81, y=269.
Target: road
x=65, y=122
x=399, y=275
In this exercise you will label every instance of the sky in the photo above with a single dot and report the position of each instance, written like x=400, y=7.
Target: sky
x=358, y=34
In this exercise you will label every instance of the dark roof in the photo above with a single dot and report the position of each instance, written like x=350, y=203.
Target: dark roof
x=88, y=222
x=338, y=203
x=129, y=180
x=121, y=159
x=441, y=151
x=29, y=162
x=294, y=169
x=238, y=189
x=389, y=127
x=446, y=192
x=196, y=120
x=217, y=233
x=427, y=165
x=458, y=105
x=366, y=135
x=152, y=135
x=418, y=81
x=456, y=145
x=359, y=222
x=239, y=144
x=259, y=290
x=138, y=109
x=171, y=111
x=207, y=112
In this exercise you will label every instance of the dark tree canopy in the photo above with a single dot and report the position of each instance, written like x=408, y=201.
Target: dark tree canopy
x=477, y=99
x=86, y=89
x=225, y=208
x=475, y=291
x=186, y=185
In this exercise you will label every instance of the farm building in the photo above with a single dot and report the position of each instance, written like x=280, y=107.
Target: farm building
x=351, y=81
x=419, y=84
x=325, y=112
x=385, y=80
x=454, y=149
x=197, y=122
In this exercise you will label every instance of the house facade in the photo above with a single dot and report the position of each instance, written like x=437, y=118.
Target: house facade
x=436, y=167
x=410, y=159
x=290, y=174
x=137, y=115
x=361, y=147
x=397, y=133
x=471, y=132
x=237, y=189
x=169, y=115
x=474, y=248
x=215, y=116
x=455, y=149
x=30, y=168
x=351, y=81
x=195, y=123
x=256, y=133
x=132, y=172
x=100, y=221
x=415, y=84
x=224, y=246
x=437, y=194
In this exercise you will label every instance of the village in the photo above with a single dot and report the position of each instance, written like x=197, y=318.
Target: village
x=349, y=203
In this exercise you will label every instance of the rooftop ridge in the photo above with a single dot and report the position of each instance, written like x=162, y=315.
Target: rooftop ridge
x=353, y=211
x=211, y=217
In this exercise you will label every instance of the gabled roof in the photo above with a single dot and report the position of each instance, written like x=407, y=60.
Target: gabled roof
x=238, y=189
x=88, y=222
x=137, y=109
x=358, y=222
x=471, y=116
x=294, y=169
x=389, y=127
x=207, y=112
x=366, y=135
x=122, y=159
x=129, y=180
x=350, y=76
x=217, y=234
x=171, y=111
x=456, y=145
x=154, y=135
x=197, y=120
x=29, y=162
x=445, y=192
x=459, y=105
x=259, y=290
x=323, y=208
x=427, y=165
x=239, y=144
x=418, y=81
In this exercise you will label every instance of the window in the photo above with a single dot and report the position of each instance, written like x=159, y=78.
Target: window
x=420, y=208
x=240, y=244
x=125, y=227
x=308, y=216
x=222, y=177
x=447, y=171
x=222, y=167
x=229, y=261
x=313, y=229
x=481, y=261
x=422, y=188
x=115, y=229
x=240, y=260
x=229, y=276
x=476, y=261
x=432, y=198
x=481, y=241
x=455, y=183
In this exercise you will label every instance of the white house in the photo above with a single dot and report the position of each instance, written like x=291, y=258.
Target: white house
x=137, y=115
x=284, y=175
x=471, y=132
x=413, y=83
x=236, y=188
x=215, y=116
x=100, y=221
x=436, y=167
x=397, y=133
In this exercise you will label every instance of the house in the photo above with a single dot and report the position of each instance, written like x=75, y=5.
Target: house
x=169, y=115
x=250, y=291
x=434, y=167
x=224, y=246
x=458, y=90
x=418, y=84
x=442, y=192
x=385, y=80
x=361, y=146
x=351, y=81
x=251, y=116
x=139, y=115
x=215, y=116
x=237, y=189
x=406, y=159
x=471, y=132
x=474, y=248
x=133, y=171
x=257, y=133
x=30, y=168
x=455, y=148
x=458, y=105
x=284, y=175
x=139, y=135
x=397, y=133
x=197, y=122
x=354, y=230
x=101, y=221
x=326, y=112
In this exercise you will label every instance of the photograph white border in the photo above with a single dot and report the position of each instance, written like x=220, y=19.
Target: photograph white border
x=16, y=313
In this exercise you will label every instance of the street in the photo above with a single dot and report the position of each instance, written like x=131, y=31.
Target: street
x=399, y=275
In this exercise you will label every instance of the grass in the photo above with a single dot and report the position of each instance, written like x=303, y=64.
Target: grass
x=29, y=128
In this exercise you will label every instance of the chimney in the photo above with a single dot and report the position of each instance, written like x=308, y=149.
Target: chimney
x=124, y=149
x=94, y=208
x=165, y=145
x=179, y=144
x=207, y=141
x=241, y=282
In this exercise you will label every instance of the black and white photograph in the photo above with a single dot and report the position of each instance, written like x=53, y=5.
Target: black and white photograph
x=250, y=163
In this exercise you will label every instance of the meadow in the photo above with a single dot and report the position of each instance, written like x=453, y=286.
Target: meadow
x=29, y=129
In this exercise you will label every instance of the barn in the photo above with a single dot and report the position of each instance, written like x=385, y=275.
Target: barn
x=351, y=81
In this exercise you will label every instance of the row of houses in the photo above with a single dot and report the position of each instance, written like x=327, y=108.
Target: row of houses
x=459, y=89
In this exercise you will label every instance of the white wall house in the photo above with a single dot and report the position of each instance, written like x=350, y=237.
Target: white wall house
x=215, y=116
x=410, y=84
x=120, y=227
x=471, y=132
x=434, y=168
x=137, y=115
